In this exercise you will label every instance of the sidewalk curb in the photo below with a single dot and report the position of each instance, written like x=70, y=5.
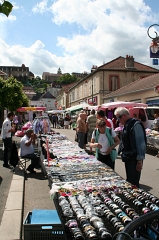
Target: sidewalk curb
x=11, y=224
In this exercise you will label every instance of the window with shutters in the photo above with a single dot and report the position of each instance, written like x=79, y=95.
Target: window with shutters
x=113, y=82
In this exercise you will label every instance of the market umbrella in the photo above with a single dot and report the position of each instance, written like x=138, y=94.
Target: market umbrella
x=77, y=107
x=111, y=105
x=24, y=109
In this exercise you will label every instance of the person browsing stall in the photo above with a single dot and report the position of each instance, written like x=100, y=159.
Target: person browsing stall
x=27, y=149
x=132, y=146
x=6, y=135
x=81, y=129
x=91, y=125
x=105, y=140
x=66, y=121
x=155, y=125
x=101, y=114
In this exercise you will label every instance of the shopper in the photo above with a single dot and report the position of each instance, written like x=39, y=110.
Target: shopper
x=34, y=115
x=132, y=146
x=6, y=134
x=66, y=121
x=101, y=114
x=81, y=129
x=105, y=140
x=91, y=124
x=155, y=125
x=54, y=120
x=27, y=149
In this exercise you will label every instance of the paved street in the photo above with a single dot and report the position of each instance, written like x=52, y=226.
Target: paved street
x=5, y=181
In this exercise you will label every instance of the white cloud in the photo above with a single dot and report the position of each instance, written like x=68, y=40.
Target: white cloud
x=40, y=7
x=91, y=13
x=3, y=24
x=15, y=6
x=108, y=29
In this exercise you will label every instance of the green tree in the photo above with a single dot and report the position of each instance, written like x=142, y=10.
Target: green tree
x=59, y=71
x=11, y=94
x=5, y=7
x=38, y=85
x=67, y=78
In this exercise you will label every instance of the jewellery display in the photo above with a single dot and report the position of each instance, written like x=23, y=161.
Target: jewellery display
x=92, y=200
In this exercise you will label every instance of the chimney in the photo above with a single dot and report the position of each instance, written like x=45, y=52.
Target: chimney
x=129, y=61
x=94, y=67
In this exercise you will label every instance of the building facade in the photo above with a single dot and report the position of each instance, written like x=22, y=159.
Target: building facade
x=22, y=73
x=50, y=77
x=3, y=75
x=104, y=80
x=142, y=90
x=49, y=101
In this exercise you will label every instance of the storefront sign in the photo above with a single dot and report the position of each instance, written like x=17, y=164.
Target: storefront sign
x=154, y=55
x=94, y=101
x=155, y=61
x=37, y=103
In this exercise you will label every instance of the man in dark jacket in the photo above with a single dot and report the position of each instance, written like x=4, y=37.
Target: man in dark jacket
x=133, y=145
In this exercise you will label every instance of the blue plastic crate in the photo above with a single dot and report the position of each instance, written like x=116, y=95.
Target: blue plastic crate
x=43, y=225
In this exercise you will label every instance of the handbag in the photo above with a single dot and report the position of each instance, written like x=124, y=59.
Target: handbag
x=114, y=152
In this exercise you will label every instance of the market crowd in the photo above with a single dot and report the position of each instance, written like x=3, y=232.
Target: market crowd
x=98, y=132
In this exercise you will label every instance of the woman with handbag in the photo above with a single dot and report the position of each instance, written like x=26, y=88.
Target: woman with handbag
x=105, y=140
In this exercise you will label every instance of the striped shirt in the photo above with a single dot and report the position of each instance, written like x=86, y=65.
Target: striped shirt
x=91, y=120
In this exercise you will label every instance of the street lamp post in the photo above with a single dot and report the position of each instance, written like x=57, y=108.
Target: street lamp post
x=155, y=40
x=70, y=99
x=154, y=48
x=92, y=92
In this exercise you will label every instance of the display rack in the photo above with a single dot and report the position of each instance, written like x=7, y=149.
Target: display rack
x=90, y=196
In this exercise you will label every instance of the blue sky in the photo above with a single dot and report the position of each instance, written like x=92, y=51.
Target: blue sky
x=75, y=34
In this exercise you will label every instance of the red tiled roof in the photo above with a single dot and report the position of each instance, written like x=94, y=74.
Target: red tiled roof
x=2, y=73
x=119, y=63
x=138, y=85
x=65, y=88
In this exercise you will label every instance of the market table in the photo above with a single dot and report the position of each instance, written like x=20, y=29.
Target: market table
x=92, y=200
x=153, y=142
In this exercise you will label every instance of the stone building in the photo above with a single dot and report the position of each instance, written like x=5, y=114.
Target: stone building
x=22, y=73
x=142, y=90
x=105, y=79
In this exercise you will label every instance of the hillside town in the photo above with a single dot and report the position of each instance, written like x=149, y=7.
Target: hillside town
x=79, y=149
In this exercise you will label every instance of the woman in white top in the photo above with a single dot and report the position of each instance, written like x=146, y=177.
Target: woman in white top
x=100, y=141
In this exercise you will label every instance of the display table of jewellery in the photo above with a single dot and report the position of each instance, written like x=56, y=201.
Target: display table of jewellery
x=153, y=142
x=92, y=200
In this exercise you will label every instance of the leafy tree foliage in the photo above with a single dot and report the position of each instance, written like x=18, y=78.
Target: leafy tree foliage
x=11, y=94
x=67, y=78
x=6, y=7
x=59, y=71
x=38, y=85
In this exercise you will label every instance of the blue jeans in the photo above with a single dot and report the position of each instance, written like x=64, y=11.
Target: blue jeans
x=7, y=149
x=81, y=139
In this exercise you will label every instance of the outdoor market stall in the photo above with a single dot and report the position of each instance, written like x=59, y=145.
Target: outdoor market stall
x=56, y=111
x=77, y=107
x=39, y=123
x=152, y=139
x=93, y=201
x=24, y=109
